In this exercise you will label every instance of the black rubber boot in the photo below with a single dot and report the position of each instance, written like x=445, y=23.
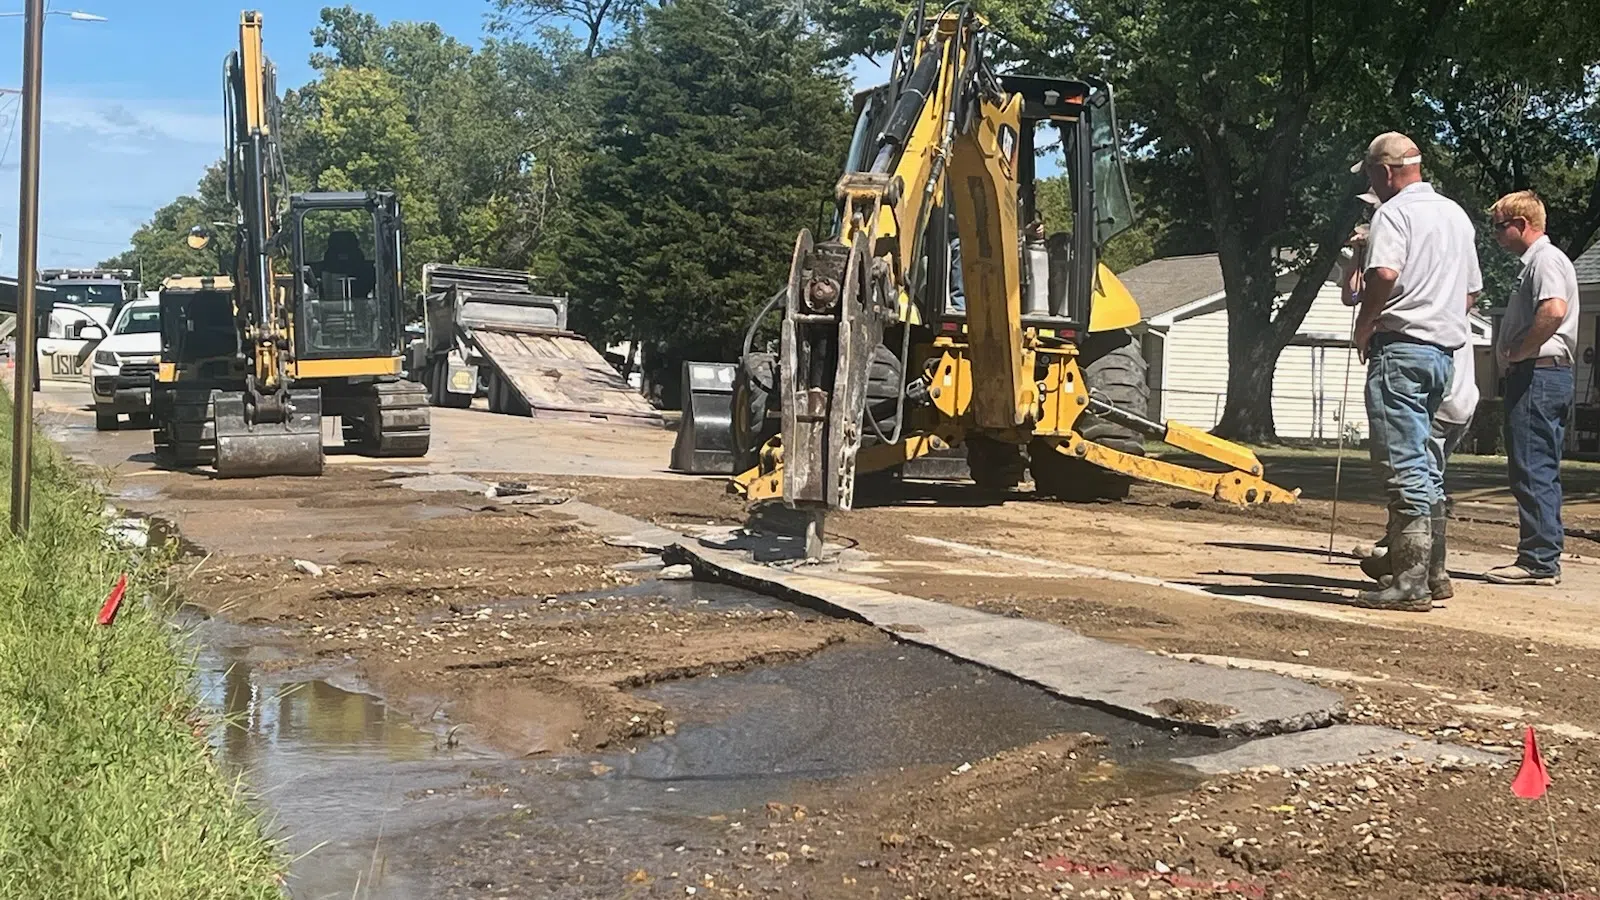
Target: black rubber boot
x=1410, y=549
x=1439, y=586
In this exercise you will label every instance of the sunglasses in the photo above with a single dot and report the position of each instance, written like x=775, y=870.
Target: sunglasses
x=1501, y=224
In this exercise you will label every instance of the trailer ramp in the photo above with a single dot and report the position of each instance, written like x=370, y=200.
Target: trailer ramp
x=515, y=339
x=558, y=374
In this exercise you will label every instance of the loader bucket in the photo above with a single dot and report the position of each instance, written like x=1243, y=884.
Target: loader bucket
x=250, y=450
x=705, y=433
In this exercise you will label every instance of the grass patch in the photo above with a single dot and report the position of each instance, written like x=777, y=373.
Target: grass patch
x=107, y=787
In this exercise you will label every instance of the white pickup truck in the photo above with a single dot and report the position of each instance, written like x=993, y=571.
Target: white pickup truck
x=124, y=365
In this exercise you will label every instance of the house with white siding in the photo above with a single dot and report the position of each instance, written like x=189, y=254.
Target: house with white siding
x=1185, y=340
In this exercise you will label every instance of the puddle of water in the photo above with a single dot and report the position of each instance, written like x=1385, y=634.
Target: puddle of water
x=334, y=766
x=861, y=709
x=371, y=805
x=137, y=492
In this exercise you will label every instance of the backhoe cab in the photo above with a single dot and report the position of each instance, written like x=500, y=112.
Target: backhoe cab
x=309, y=323
x=1021, y=350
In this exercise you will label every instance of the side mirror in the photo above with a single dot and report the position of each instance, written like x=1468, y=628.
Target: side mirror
x=199, y=237
x=89, y=332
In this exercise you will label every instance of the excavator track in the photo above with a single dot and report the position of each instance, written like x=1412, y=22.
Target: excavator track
x=395, y=422
x=184, y=433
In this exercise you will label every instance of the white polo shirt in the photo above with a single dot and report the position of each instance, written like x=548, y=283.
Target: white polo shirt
x=1428, y=239
x=1547, y=274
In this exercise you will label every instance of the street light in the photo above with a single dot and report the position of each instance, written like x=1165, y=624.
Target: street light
x=73, y=14
x=28, y=259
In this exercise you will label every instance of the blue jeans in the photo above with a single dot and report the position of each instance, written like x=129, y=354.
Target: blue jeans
x=1538, y=402
x=1406, y=382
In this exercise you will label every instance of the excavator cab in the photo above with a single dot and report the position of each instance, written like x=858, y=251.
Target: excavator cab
x=347, y=248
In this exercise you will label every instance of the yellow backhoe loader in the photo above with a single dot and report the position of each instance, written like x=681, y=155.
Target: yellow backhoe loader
x=1029, y=362
x=308, y=324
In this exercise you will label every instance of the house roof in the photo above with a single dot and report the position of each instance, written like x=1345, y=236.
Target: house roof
x=1163, y=285
x=1588, y=266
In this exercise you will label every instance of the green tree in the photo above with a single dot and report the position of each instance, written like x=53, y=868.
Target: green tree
x=591, y=19
x=719, y=128
x=358, y=138
x=1515, y=109
x=501, y=129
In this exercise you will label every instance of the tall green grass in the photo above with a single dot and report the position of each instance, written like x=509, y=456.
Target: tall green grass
x=107, y=788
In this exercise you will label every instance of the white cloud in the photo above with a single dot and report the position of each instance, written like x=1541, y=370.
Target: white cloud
x=122, y=120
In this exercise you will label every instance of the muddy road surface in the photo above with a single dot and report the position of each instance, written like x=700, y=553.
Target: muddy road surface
x=442, y=693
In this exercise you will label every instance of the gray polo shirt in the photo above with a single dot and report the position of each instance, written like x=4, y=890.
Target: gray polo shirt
x=1547, y=274
x=1429, y=240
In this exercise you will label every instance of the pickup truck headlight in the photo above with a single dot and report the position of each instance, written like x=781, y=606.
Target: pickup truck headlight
x=106, y=358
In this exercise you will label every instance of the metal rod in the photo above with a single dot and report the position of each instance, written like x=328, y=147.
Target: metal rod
x=1344, y=409
x=27, y=272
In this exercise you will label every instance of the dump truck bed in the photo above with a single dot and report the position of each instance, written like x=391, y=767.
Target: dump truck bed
x=499, y=322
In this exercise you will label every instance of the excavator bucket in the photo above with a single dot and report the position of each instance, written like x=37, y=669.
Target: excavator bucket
x=247, y=449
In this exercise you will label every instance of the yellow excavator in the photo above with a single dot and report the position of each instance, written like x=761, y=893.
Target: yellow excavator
x=310, y=322
x=1021, y=351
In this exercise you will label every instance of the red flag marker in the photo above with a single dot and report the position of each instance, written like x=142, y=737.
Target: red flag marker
x=1532, y=777
x=108, y=610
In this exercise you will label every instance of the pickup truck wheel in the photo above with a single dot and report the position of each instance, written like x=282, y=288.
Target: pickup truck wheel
x=105, y=421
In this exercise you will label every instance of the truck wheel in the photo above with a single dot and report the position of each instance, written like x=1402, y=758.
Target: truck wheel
x=1114, y=368
x=995, y=465
x=105, y=421
x=504, y=398
x=439, y=387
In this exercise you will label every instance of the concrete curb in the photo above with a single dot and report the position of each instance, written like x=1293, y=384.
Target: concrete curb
x=1131, y=682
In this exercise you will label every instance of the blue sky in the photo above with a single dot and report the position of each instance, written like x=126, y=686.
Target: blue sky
x=132, y=106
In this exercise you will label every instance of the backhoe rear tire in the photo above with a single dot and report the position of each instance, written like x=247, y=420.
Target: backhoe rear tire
x=885, y=382
x=1115, y=369
x=755, y=381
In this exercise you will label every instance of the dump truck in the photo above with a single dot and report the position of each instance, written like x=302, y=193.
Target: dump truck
x=492, y=333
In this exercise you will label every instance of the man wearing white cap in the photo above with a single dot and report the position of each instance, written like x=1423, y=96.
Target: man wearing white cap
x=1450, y=426
x=1421, y=270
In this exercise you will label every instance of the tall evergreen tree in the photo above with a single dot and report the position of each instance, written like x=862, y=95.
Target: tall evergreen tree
x=721, y=129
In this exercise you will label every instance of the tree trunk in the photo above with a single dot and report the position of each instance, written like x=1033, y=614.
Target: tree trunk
x=1253, y=351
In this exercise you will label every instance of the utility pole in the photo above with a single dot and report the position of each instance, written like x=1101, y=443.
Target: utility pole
x=27, y=271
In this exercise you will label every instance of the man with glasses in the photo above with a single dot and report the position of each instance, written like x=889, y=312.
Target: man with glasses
x=1421, y=267
x=1536, y=345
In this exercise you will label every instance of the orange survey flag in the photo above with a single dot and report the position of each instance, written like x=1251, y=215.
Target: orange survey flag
x=1532, y=777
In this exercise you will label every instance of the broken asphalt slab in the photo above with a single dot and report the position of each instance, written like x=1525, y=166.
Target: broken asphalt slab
x=1338, y=744
x=1193, y=696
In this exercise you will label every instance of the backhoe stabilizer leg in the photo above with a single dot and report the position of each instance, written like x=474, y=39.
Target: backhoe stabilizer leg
x=764, y=483
x=1239, y=487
